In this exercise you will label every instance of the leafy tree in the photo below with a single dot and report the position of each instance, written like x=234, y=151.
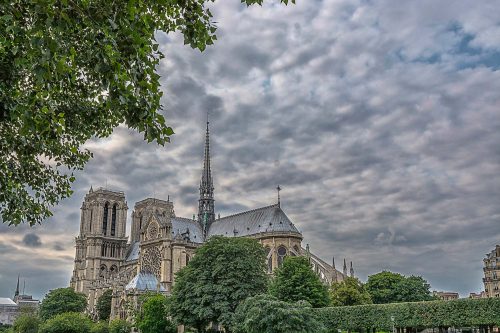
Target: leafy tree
x=295, y=281
x=60, y=301
x=153, y=317
x=349, y=292
x=381, y=286
x=71, y=71
x=389, y=287
x=265, y=313
x=26, y=323
x=70, y=322
x=413, y=289
x=103, y=305
x=120, y=326
x=100, y=327
x=223, y=273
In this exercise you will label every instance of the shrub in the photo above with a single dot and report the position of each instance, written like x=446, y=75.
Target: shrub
x=70, y=322
x=120, y=326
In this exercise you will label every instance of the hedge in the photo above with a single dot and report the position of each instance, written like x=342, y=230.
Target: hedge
x=455, y=313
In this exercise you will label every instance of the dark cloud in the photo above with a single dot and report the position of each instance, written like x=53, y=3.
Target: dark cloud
x=32, y=240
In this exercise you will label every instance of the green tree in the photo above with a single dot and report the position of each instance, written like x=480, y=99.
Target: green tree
x=153, y=317
x=349, y=292
x=223, y=273
x=100, y=327
x=70, y=322
x=413, y=289
x=120, y=326
x=103, y=305
x=295, y=281
x=62, y=300
x=381, y=286
x=26, y=323
x=71, y=71
x=265, y=313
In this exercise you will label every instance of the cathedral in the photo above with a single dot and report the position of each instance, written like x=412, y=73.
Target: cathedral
x=161, y=243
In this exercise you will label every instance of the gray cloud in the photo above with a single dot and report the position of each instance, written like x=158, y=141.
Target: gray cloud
x=32, y=240
x=382, y=131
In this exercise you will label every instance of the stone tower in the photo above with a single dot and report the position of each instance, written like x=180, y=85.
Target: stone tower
x=101, y=244
x=206, y=209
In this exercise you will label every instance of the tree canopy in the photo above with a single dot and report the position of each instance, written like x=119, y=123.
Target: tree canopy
x=62, y=300
x=389, y=287
x=223, y=273
x=26, y=323
x=153, y=316
x=295, y=281
x=119, y=326
x=103, y=305
x=265, y=313
x=71, y=71
x=70, y=322
x=349, y=292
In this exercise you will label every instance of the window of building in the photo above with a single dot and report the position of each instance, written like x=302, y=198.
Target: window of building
x=105, y=219
x=281, y=255
x=113, y=220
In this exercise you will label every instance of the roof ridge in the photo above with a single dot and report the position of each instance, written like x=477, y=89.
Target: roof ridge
x=248, y=211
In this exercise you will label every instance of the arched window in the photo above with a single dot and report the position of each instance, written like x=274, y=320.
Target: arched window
x=281, y=255
x=113, y=220
x=103, y=271
x=113, y=270
x=105, y=219
x=90, y=224
x=187, y=259
x=140, y=223
x=269, y=259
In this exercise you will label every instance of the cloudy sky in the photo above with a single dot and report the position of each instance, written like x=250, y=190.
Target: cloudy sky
x=379, y=119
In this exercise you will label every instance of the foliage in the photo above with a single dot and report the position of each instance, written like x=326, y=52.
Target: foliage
x=295, y=281
x=71, y=71
x=70, y=322
x=349, y=292
x=267, y=314
x=389, y=287
x=103, y=305
x=100, y=327
x=457, y=313
x=153, y=317
x=120, y=326
x=223, y=273
x=62, y=300
x=26, y=323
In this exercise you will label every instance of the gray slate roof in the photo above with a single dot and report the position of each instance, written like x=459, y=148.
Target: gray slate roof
x=144, y=281
x=133, y=252
x=265, y=219
x=181, y=225
x=7, y=302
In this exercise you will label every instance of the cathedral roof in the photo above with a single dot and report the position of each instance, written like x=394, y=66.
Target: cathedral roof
x=7, y=302
x=133, y=252
x=188, y=227
x=262, y=220
x=144, y=281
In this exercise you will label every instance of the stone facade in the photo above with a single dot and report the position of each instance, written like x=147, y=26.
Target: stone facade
x=492, y=273
x=162, y=243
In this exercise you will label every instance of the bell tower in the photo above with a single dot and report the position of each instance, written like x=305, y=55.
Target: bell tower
x=101, y=244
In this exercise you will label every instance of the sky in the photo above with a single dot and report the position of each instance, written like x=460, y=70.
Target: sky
x=380, y=120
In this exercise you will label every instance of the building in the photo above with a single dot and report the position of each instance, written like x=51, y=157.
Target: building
x=445, y=295
x=476, y=295
x=491, y=270
x=10, y=309
x=161, y=243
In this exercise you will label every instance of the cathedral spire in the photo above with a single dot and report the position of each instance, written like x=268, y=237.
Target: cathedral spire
x=206, y=211
x=345, y=269
x=352, y=270
x=17, y=288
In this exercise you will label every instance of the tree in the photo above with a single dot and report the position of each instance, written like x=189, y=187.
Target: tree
x=100, y=327
x=153, y=317
x=413, y=289
x=389, y=287
x=71, y=71
x=265, y=313
x=295, y=281
x=60, y=301
x=381, y=286
x=349, y=292
x=70, y=322
x=119, y=326
x=26, y=323
x=223, y=273
x=103, y=305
